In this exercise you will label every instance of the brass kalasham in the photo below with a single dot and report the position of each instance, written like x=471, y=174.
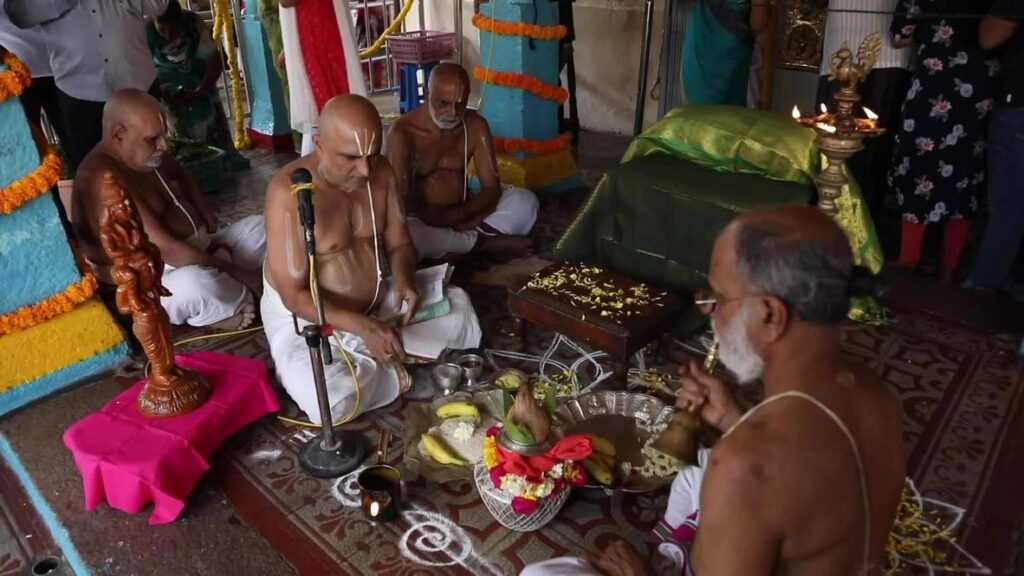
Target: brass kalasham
x=681, y=437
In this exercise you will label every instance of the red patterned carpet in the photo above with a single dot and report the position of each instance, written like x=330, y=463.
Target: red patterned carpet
x=961, y=394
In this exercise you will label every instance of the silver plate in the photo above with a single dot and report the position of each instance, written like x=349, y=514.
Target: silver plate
x=617, y=416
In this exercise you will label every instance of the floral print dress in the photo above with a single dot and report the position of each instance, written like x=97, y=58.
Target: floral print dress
x=938, y=166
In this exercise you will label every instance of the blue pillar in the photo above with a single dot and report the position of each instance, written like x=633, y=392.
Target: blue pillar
x=513, y=112
x=269, y=127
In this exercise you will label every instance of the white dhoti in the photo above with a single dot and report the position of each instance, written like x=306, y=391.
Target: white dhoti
x=378, y=382
x=681, y=518
x=200, y=295
x=514, y=216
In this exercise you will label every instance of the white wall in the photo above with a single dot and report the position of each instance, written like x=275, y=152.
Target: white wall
x=608, y=42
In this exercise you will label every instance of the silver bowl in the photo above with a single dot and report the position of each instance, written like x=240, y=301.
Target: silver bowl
x=521, y=448
x=447, y=378
x=472, y=367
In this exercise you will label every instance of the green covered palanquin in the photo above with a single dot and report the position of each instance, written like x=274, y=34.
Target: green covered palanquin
x=655, y=216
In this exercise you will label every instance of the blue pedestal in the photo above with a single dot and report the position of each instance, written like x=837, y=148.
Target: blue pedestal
x=410, y=93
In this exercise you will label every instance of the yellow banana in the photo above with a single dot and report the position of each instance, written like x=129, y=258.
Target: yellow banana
x=599, y=471
x=458, y=409
x=602, y=445
x=440, y=452
x=605, y=459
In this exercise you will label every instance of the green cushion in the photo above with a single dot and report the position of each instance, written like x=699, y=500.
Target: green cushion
x=733, y=139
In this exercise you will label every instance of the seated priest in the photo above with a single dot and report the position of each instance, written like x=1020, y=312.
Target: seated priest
x=430, y=150
x=809, y=480
x=213, y=275
x=364, y=259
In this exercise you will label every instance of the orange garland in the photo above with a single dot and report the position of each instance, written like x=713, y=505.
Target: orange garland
x=50, y=307
x=534, y=147
x=36, y=182
x=535, y=31
x=531, y=84
x=17, y=77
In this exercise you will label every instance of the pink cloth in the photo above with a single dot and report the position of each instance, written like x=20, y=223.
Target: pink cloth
x=129, y=460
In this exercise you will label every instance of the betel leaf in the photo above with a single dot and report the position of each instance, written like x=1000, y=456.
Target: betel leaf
x=518, y=433
x=550, y=400
x=508, y=400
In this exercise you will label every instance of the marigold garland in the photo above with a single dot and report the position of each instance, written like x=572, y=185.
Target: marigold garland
x=224, y=29
x=64, y=301
x=36, y=182
x=505, y=28
x=534, y=147
x=17, y=77
x=531, y=84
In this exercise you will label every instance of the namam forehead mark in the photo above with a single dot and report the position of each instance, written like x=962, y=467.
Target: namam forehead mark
x=365, y=142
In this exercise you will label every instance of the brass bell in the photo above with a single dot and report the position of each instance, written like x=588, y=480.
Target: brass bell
x=682, y=435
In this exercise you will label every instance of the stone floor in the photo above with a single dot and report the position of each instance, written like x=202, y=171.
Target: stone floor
x=948, y=336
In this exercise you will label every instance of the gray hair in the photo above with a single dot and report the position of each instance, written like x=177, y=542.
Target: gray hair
x=811, y=275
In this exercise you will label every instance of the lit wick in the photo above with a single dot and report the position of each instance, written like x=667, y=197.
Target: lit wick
x=374, y=509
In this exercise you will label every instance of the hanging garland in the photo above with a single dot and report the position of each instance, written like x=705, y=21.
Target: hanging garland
x=224, y=30
x=535, y=31
x=531, y=84
x=17, y=77
x=508, y=145
x=382, y=39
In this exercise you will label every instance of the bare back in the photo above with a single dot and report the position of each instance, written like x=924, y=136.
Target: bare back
x=344, y=232
x=793, y=468
x=146, y=190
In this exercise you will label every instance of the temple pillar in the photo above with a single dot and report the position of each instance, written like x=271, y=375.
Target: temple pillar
x=269, y=127
x=520, y=96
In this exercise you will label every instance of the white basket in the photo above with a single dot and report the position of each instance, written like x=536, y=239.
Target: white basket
x=499, y=503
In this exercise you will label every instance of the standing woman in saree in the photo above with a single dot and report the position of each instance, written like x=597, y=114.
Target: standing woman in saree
x=717, y=49
x=188, y=65
x=321, y=59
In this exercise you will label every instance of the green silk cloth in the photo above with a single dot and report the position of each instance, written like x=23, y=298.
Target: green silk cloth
x=759, y=158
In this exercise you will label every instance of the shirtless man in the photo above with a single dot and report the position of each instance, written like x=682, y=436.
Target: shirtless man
x=429, y=149
x=212, y=275
x=361, y=240
x=783, y=490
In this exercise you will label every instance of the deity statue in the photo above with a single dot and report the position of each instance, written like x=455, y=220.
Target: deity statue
x=137, y=270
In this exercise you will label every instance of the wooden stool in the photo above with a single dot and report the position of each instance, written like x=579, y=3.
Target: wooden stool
x=571, y=307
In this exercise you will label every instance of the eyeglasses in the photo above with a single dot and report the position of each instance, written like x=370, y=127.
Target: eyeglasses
x=707, y=301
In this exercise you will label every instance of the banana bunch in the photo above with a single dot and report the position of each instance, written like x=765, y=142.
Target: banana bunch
x=458, y=410
x=439, y=451
x=601, y=463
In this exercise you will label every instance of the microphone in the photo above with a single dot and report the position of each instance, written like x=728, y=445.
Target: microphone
x=302, y=186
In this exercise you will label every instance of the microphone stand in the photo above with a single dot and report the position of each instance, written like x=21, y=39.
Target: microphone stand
x=331, y=453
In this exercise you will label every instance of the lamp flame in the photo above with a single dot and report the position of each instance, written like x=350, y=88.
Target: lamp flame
x=824, y=109
x=871, y=115
x=374, y=509
x=796, y=113
x=826, y=127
